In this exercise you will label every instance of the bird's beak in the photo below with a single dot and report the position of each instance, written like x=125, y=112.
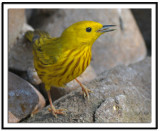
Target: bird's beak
x=106, y=28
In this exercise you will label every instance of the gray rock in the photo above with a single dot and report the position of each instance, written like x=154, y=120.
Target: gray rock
x=111, y=109
x=20, y=56
x=122, y=94
x=123, y=46
x=33, y=76
x=23, y=98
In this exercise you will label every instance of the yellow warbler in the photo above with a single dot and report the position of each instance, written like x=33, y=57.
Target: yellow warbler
x=62, y=59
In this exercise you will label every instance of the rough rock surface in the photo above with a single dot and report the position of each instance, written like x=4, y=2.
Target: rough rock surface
x=123, y=46
x=122, y=94
x=33, y=76
x=23, y=98
x=20, y=56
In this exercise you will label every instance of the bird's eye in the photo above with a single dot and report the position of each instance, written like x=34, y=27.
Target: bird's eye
x=88, y=29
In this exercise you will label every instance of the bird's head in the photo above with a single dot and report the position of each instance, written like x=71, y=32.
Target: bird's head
x=85, y=32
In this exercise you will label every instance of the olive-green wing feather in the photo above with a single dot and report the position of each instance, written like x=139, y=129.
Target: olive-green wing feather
x=45, y=48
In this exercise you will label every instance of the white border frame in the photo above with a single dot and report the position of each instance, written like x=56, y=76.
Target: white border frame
x=78, y=125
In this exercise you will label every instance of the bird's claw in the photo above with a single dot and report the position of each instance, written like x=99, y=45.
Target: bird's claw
x=57, y=111
x=86, y=92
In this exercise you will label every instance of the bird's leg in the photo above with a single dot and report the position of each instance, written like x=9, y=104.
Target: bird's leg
x=53, y=110
x=85, y=90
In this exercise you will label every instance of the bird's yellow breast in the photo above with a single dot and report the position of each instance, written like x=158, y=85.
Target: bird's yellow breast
x=69, y=66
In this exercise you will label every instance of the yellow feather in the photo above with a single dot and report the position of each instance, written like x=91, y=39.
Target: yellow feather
x=60, y=60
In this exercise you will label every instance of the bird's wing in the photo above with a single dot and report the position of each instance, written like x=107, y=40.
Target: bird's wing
x=32, y=36
x=47, y=50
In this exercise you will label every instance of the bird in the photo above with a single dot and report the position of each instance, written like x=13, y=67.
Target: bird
x=59, y=60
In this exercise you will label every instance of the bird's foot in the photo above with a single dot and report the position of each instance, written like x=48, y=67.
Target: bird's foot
x=86, y=92
x=57, y=111
x=53, y=110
